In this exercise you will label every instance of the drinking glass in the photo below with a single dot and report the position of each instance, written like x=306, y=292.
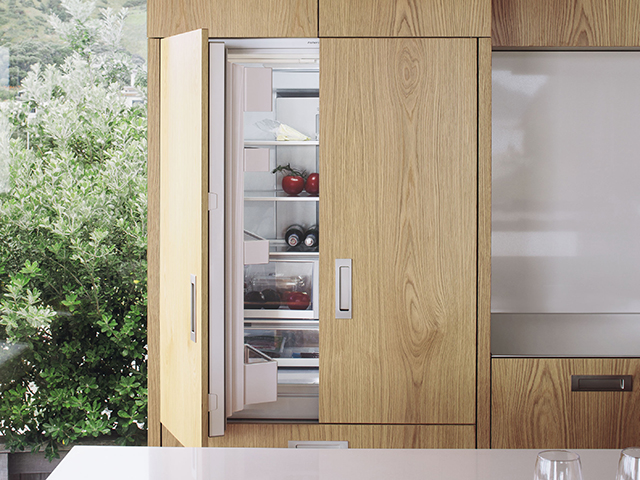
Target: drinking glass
x=558, y=465
x=629, y=464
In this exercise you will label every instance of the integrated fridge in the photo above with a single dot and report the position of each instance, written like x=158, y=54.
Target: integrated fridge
x=263, y=240
x=398, y=211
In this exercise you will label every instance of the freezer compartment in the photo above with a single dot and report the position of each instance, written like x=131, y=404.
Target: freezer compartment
x=283, y=288
x=290, y=343
x=297, y=398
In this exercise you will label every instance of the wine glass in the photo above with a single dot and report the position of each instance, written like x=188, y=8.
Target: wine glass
x=629, y=464
x=558, y=465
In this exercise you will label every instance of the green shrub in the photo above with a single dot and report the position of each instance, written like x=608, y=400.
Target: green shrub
x=73, y=249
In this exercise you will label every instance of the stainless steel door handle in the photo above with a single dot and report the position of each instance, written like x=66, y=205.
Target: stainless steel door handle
x=344, y=305
x=193, y=308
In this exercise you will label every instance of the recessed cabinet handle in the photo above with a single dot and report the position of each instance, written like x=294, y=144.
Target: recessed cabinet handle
x=193, y=308
x=601, y=383
x=343, y=288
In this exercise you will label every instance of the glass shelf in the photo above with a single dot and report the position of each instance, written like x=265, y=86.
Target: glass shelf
x=282, y=312
x=280, y=143
x=278, y=196
x=279, y=249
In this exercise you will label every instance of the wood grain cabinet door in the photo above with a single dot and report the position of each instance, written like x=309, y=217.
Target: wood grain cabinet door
x=183, y=236
x=533, y=405
x=404, y=18
x=234, y=18
x=398, y=162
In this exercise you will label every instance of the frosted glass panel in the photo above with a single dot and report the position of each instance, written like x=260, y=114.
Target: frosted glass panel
x=566, y=182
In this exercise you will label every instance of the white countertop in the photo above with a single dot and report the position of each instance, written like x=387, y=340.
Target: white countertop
x=141, y=463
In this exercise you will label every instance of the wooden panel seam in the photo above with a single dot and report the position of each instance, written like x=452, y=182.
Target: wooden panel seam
x=153, y=251
x=483, y=400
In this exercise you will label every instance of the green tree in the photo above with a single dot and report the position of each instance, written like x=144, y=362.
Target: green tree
x=23, y=55
x=73, y=248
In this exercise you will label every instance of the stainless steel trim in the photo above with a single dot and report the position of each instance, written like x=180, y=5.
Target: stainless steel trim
x=343, y=288
x=282, y=324
x=565, y=335
x=318, y=444
x=498, y=355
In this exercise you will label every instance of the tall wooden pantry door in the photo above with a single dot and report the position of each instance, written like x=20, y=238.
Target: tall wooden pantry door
x=398, y=162
x=183, y=236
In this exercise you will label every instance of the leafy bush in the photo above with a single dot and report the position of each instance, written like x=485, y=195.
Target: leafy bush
x=73, y=248
x=30, y=52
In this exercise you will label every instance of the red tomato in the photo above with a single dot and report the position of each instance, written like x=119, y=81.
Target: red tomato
x=292, y=185
x=297, y=300
x=313, y=184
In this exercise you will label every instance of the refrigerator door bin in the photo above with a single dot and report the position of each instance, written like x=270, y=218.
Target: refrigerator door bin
x=297, y=398
x=260, y=377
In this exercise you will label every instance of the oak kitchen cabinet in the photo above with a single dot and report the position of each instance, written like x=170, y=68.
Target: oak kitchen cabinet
x=405, y=18
x=324, y=18
x=406, y=146
x=234, y=19
x=537, y=392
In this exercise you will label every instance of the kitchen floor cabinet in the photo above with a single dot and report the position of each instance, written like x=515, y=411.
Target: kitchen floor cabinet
x=399, y=166
x=533, y=405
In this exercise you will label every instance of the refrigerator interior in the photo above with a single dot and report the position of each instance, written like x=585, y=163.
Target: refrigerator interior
x=281, y=295
x=565, y=203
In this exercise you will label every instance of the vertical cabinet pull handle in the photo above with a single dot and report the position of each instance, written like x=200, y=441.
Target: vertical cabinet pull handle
x=193, y=308
x=343, y=288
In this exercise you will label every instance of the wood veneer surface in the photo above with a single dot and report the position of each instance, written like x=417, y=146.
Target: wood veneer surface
x=153, y=243
x=183, y=234
x=533, y=405
x=484, y=244
x=399, y=198
x=578, y=23
x=405, y=18
x=236, y=18
x=168, y=440
x=358, y=436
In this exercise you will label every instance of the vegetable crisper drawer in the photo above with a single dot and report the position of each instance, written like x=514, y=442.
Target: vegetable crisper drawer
x=284, y=289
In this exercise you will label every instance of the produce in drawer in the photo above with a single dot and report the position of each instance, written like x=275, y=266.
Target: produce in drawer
x=271, y=299
x=297, y=300
x=271, y=291
x=253, y=300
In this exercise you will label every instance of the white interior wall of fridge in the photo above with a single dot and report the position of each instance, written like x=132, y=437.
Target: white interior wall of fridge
x=295, y=103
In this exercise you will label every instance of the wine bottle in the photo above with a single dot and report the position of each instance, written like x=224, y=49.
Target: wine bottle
x=294, y=236
x=311, y=237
